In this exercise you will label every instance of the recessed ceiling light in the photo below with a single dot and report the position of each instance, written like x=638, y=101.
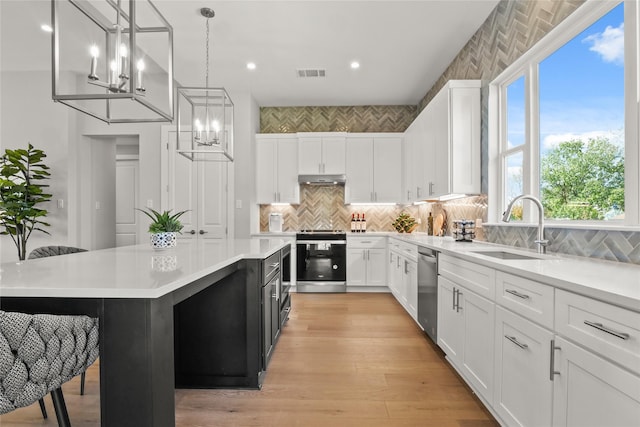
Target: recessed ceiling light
x=355, y=65
x=47, y=28
x=251, y=65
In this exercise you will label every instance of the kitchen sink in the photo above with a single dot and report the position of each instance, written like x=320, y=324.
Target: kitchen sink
x=506, y=255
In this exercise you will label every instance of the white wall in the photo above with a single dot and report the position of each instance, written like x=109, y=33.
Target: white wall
x=28, y=115
x=247, y=124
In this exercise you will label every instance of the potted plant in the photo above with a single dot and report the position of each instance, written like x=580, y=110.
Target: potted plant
x=405, y=223
x=21, y=192
x=163, y=228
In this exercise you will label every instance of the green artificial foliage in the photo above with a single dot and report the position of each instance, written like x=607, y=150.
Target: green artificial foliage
x=164, y=222
x=21, y=192
x=404, y=223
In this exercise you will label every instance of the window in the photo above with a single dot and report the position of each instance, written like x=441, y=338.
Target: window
x=562, y=121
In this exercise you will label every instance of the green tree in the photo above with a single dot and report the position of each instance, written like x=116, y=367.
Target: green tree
x=21, y=190
x=582, y=180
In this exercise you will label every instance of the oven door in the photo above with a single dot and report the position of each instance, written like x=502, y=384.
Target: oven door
x=321, y=261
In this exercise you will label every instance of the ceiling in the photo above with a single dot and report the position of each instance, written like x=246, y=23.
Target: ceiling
x=402, y=46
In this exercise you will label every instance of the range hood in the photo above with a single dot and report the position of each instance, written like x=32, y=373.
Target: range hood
x=322, y=179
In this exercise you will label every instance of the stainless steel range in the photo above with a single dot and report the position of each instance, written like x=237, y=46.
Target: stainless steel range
x=321, y=261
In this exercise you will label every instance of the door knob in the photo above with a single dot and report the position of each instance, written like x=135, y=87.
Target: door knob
x=203, y=232
x=192, y=232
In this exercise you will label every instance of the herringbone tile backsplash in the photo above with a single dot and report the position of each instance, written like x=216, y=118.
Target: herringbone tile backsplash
x=611, y=245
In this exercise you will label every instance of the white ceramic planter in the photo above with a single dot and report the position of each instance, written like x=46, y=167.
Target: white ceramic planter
x=164, y=240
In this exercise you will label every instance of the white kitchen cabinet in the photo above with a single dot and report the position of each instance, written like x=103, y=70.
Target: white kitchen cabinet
x=589, y=390
x=321, y=153
x=276, y=169
x=405, y=278
x=366, y=261
x=411, y=286
x=450, y=320
x=374, y=169
x=444, y=144
x=522, y=364
x=466, y=330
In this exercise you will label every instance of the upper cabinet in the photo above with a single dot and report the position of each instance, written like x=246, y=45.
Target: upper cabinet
x=443, y=144
x=277, y=169
x=321, y=153
x=374, y=168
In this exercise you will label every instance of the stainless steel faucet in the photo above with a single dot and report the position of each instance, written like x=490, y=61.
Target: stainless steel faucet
x=540, y=241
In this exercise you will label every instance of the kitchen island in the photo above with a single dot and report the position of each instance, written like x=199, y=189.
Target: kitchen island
x=136, y=293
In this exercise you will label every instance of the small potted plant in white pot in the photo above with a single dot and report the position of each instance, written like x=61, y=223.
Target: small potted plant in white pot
x=163, y=228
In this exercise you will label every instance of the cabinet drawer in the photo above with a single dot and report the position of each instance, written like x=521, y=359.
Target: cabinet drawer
x=611, y=331
x=367, y=242
x=529, y=299
x=478, y=278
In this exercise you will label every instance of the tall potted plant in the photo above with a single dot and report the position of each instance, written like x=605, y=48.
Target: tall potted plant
x=21, y=193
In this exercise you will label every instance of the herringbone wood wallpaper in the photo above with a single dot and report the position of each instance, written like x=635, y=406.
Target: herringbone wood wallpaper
x=371, y=118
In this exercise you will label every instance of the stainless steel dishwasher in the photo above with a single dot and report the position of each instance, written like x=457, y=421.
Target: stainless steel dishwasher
x=428, y=291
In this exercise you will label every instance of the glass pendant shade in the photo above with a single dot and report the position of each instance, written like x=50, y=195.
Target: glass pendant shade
x=205, y=124
x=113, y=60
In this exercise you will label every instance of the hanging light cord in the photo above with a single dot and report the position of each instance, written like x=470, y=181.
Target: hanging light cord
x=206, y=76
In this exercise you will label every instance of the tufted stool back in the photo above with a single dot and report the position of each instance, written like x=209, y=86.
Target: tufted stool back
x=38, y=353
x=46, y=251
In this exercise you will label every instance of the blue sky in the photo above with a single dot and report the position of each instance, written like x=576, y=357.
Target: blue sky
x=581, y=87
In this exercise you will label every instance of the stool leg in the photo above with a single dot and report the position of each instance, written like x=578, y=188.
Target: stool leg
x=60, y=407
x=82, y=383
x=43, y=409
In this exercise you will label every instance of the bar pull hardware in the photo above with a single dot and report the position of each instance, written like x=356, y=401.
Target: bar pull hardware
x=202, y=232
x=406, y=267
x=192, y=232
x=454, y=298
x=603, y=328
x=431, y=188
x=516, y=342
x=516, y=294
x=274, y=265
x=458, y=308
x=552, y=360
x=368, y=254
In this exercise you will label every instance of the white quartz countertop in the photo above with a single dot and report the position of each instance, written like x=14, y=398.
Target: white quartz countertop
x=129, y=271
x=614, y=282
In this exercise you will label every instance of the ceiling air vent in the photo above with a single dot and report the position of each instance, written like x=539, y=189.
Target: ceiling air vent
x=311, y=72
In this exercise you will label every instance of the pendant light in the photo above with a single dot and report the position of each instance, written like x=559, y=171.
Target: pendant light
x=205, y=116
x=108, y=53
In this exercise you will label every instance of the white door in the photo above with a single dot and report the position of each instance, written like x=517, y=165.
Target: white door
x=376, y=267
x=356, y=267
x=126, y=202
x=200, y=187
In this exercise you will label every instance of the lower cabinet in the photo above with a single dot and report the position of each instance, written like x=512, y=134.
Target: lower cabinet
x=403, y=275
x=522, y=366
x=366, y=267
x=465, y=333
x=366, y=261
x=591, y=391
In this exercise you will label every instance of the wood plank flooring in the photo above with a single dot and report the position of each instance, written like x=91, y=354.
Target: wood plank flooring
x=342, y=360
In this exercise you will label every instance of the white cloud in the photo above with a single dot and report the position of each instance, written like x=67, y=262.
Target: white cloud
x=553, y=140
x=609, y=44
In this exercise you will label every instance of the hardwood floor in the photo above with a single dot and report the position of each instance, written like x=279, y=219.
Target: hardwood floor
x=342, y=360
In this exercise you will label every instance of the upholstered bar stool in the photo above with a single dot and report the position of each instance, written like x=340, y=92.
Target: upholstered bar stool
x=47, y=251
x=39, y=353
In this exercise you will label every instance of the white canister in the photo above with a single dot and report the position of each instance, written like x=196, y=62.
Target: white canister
x=275, y=222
